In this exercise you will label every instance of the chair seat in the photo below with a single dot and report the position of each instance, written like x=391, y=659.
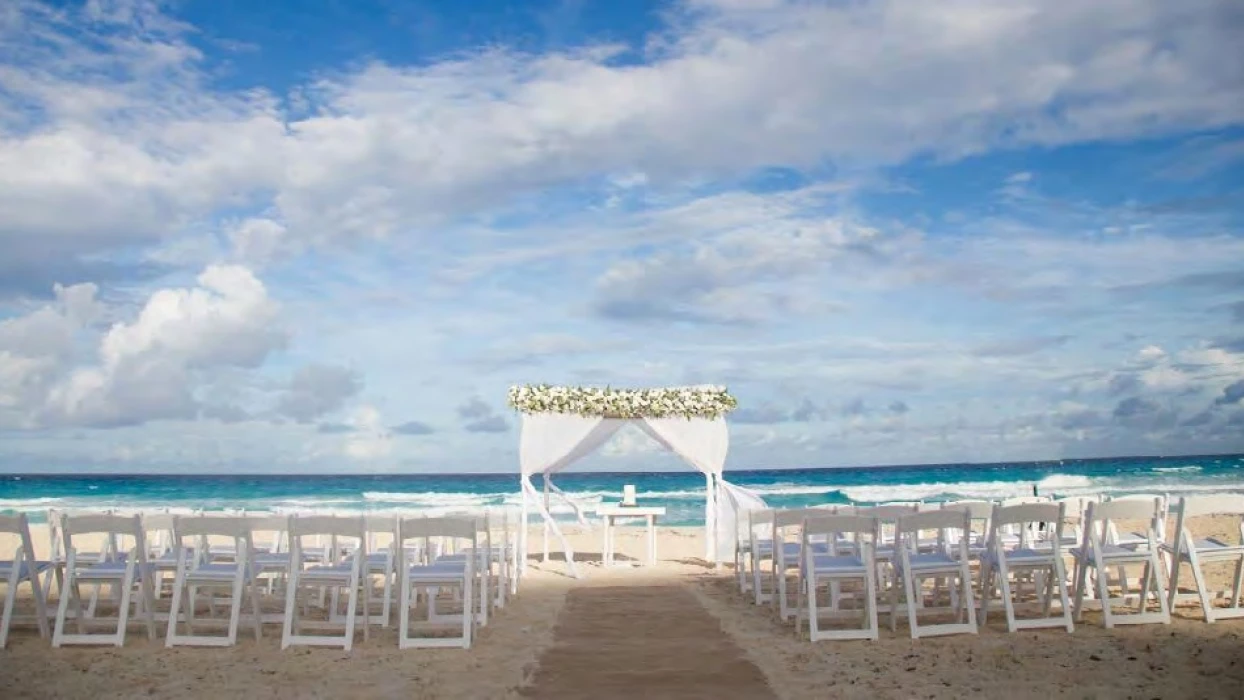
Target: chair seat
x=1022, y=557
x=437, y=573
x=23, y=574
x=272, y=559
x=212, y=572
x=108, y=570
x=324, y=572
x=937, y=561
x=825, y=564
x=1210, y=548
x=1114, y=553
x=168, y=558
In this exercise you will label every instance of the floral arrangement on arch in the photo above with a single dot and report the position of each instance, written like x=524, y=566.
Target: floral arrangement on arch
x=607, y=402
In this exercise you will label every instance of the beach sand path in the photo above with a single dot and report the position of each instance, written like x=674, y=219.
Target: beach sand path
x=641, y=641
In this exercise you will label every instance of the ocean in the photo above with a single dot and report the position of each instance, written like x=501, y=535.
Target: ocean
x=682, y=493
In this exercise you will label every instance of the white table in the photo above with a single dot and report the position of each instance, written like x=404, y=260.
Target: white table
x=615, y=512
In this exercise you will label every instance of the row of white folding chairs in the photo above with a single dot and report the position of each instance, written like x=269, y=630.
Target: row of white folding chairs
x=1037, y=549
x=754, y=543
x=122, y=570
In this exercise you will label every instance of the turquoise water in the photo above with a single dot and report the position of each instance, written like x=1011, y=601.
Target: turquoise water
x=682, y=493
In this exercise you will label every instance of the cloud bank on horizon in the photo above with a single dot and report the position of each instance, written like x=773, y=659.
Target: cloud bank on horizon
x=240, y=237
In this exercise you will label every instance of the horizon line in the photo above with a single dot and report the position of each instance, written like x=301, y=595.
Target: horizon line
x=622, y=472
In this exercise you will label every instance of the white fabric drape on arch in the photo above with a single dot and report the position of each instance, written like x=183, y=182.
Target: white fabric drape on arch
x=550, y=442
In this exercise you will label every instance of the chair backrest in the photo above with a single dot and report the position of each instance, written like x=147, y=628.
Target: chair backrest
x=760, y=518
x=302, y=526
x=276, y=525
x=457, y=527
x=789, y=517
x=950, y=525
x=18, y=525
x=976, y=510
x=1026, y=513
x=109, y=525
x=935, y=520
x=1148, y=509
x=820, y=524
x=1076, y=507
x=888, y=512
x=212, y=526
x=159, y=530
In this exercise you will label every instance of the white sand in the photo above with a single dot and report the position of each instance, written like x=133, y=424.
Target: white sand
x=1186, y=659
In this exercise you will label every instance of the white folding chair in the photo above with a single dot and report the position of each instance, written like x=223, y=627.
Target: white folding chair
x=949, y=559
x=1097, y=554
x=194, y=572
x=271, y=563
x=454, y=575
x=759, y=550
x=1005, y=557
x=1074, y=509
x=339, y=573
x=884, y=547
x=979, y=513
x=381, y=563
x=23, y=567
x=1139, y=539
x=501, y=553
x=1187, y=548
x=56, y=554
x=122, y=570
x=482, y=553
x=835, y=568
x=161, y=549
x=787, y=554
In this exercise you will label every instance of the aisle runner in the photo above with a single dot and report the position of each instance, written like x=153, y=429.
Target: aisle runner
x=642, y=642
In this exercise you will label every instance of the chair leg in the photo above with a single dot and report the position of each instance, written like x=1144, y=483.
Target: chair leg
x=62, y=609
x=1173, y=594
x=148, y=602
x=10, y=597
x=870, y=586
x=893, y=596
x=1104, y=592
x=800, y=595
x=123, y=615
x=291, y=608
x=965, y=574
x=255, y=610
x=1080, y=584
x=986, y=592
x=813, y=613
x=1004, y=580
x=1060, y=574
x=1239, y=583
x=910, y=582
x=351, y=604
x=1155, y=569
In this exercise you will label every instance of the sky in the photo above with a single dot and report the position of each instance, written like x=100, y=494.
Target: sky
x=304, y=237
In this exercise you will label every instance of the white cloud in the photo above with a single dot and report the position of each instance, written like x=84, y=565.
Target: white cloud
x=136, y=147
x=149, y=369
x=316, y=390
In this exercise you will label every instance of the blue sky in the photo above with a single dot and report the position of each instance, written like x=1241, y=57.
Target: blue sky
x=327, y=236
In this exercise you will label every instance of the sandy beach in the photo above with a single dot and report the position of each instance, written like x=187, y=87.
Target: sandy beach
x=1188, y=659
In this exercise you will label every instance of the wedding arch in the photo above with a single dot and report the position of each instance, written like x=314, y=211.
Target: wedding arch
x=561, y=425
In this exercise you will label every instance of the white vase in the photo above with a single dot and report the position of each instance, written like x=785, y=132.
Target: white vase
x=628, y=495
